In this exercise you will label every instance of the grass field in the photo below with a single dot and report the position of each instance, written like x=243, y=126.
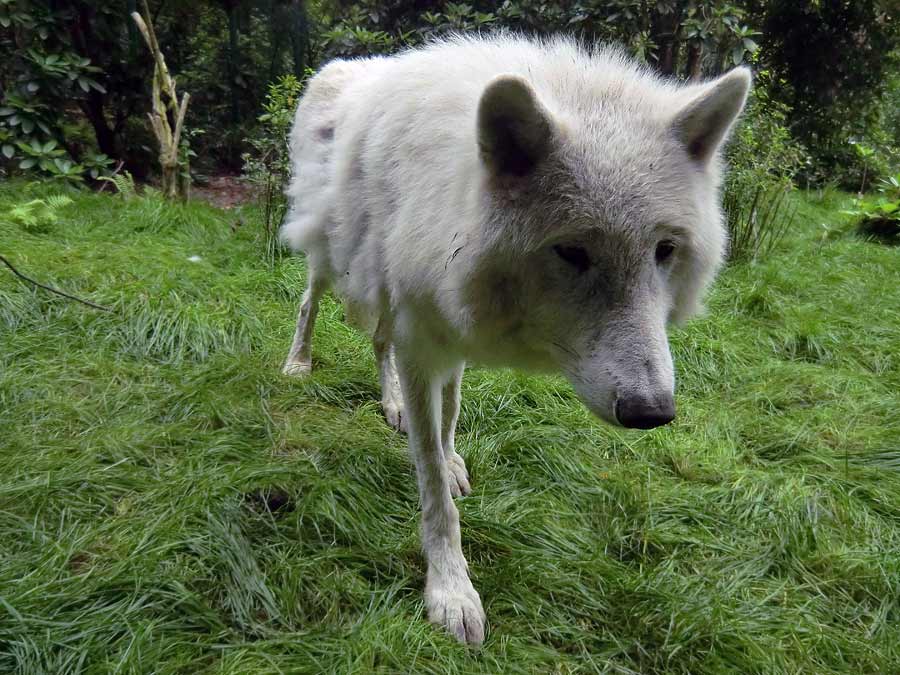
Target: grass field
x=169, y=503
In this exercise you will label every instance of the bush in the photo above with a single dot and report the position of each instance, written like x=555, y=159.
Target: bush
x=38, y=215
x=40, y=76
x=879, y=217
x=267, y=167
x=763, y=160
x=832, y=60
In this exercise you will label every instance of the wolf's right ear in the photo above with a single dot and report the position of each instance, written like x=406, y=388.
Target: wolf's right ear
x=513, y=127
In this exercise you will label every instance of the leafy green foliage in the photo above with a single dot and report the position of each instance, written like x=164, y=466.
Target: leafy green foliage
x=878, y=216
x=758, y=217
x=763, y=158
x=77, y=67
x=46, y=75
x=54, y=163
x=652, y=31
x=268, y=166
x=123, y=183
x=38, y=215
x=832, y=61
x=227, y=60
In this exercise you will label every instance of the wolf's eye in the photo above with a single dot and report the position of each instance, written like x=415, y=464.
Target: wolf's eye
x=576, y=256
x=664, y=251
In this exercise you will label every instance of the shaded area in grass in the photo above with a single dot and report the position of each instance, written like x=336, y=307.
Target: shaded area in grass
x=170, y=503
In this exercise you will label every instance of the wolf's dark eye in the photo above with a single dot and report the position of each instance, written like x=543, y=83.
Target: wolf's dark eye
x=576, y=256
x=664, y=251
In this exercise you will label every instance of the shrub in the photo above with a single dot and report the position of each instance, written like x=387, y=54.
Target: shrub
x=763, y=160
x=758, y=217
x=41, y=76
x=879, y=217
x=268, y=166
x=38, y=215
x=832, y=60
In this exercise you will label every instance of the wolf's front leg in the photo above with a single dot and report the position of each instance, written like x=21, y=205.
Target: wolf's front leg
x=450, y=598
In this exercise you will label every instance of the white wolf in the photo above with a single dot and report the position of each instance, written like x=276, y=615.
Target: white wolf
x=514, y=203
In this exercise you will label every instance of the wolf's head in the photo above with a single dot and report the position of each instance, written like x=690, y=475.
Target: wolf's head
x=606, y=226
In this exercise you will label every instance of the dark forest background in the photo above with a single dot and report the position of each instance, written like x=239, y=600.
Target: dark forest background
x=75, y=75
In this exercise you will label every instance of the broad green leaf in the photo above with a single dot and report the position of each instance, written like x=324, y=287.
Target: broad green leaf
x=27, y=126
x=9, y=151
x=27, y=163
x=49, y=145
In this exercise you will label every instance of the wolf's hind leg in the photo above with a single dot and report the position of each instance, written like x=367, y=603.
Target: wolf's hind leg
x=456, y=466
x=391, y=396
x=299, y=360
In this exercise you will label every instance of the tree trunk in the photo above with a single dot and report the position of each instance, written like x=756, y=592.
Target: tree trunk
x=169, y=181
x=276, y=37
x=165, y=103
x=94, y=104
x=93, y=109
x=131, y=8
x=694, y=61
x=665, y=31
x=184, y=180
x=299, y=36
x=231, y=9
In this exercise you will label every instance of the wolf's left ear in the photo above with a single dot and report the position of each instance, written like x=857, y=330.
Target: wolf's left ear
x=703, y=124
x=513, y=127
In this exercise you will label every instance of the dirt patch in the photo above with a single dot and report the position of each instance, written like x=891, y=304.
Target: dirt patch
x=225, y=191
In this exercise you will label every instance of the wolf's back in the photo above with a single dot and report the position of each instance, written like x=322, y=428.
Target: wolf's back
x=311, y=147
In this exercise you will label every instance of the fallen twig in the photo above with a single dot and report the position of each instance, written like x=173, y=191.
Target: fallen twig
x=108, y=179
x=50, y=288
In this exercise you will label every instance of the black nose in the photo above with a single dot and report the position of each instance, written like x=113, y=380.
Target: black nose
x=640, y=412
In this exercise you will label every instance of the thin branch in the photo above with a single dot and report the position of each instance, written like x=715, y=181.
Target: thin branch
x=179, y=122
x=50, y=288
x=115, y=171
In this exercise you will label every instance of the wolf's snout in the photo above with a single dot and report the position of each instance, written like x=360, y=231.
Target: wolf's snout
x=640, y=412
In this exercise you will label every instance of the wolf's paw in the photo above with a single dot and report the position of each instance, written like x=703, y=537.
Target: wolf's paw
x=458, y=475
x=297, y=368
x=457, y=607
x=394, y=413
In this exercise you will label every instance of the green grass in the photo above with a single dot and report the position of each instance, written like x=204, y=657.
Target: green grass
x=170, y=504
